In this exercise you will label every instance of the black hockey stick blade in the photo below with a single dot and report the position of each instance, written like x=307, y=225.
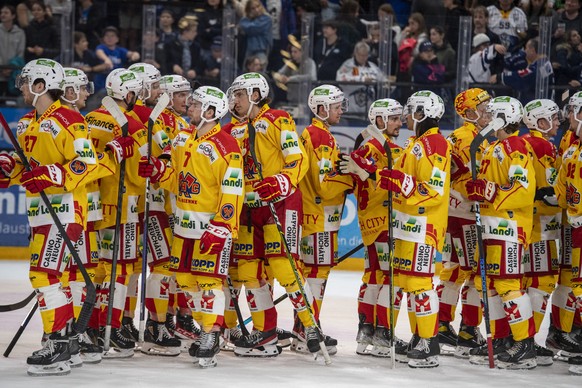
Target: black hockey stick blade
x=17, y=305
x=494, y=126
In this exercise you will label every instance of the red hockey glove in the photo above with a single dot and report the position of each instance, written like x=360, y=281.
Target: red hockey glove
x=153, y=170
x=121, y=147
x=481, y=190
x=7, y=164
x=213, y=239
x=356, y=164
x=397, y=181
x=42, y=177
x=272, y=187
x=458, y=168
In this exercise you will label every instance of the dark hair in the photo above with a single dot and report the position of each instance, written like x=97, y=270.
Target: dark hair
x=110, y=29
x=481, y=9
x=439, y=29
x=10, y=8
x=535, y=42
x=387, y=8
x=78, y=35
x=511, y=128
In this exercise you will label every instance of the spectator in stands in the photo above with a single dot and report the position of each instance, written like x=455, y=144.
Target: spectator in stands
x=569, y=19
x=481, y=24
x=387, y=10
x=412, y=35
x=289, y=76
x=257, y=26
x=480, y=63
x=209, y=24
x=426, y=69
x=112, y=55
x=166, y=29
x=254, y=64
x=12, y=53
x=359, y=68
x=351, y=29
x=130, y=15
x=84, y=58
x=24, y=13
x=41, y=36
x=568, y=62
x=455, y=9
x=329, y=9
x=432, y=11
x=183, y=54
x=510, y=23
x=444, y=52
x=534, y=9
x=90, y=20
x=330, y=51
x=211, y=62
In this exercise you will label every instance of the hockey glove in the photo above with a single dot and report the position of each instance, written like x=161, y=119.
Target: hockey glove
x=458, y=168
x=121, y=147
x=273, y=187
x=547, y=195
x=356, y=164
x=481, y=190
x=42, y=177
x=153, y=170
x=7, y=164
x=397, y=181
x=213, y=239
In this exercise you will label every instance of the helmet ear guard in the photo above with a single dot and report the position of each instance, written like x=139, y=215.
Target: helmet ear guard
x=50, y=72
x=211, y=97
x=120, y=82
x=326, y=95
x=148, y=74
x=507, y=108
x=385, y=108
x=540, y=109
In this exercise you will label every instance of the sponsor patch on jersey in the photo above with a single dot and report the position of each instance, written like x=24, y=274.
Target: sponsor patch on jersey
x=290, y=143
x=261, y=126
x=551, y=175
x=84, y=150
x=437, y=180
x=232, y=182
x=519, y=174
x=417, y=151
x=498, y=153
x=238, y=132
x=227, y=211
x=78, y=167
x=208, y=150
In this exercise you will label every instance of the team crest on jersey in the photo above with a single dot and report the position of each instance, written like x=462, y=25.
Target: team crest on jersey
x=207, y=150
x=518, y=173
x=417, y=151
x=261, y=126
x=77, y=167
x=572, y=195
x=188, y=185
x=232, y=182
x=227, y=211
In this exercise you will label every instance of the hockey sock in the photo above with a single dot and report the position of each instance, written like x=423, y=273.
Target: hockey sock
x=118, y=301
x=317, y=288
x=539, y=301
x=158, y=295
x=131, y=297
x=448, y=294
x=519, y=313
x=212, y=308
x=383, y=305
x=367, y=298
x=56, y=307
x=262, y=308
x=563, y=308
x=471, y=308
x=499, y=324
x=426, y=306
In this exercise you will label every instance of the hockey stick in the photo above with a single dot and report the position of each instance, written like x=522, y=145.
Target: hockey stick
x=112, y=107
x=284, y=296
x=259, y=167
x=376, y=134
x=494, y=125
x=90, y=297
x=162, y=103
x=21, y=329
x=18, y=305
x=234, y=298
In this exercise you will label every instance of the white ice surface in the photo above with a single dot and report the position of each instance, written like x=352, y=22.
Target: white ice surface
x=339, y=319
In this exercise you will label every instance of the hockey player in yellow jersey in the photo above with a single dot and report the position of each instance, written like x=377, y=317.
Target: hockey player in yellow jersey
x=458, y=256
x=55, y=141
x=420, y=179
x=506, y=185
x=123, y=86
x=283, y=161
x=567, y=298
x=541, y=259
x=206, y=174
x=324, y=194
x=374, y=294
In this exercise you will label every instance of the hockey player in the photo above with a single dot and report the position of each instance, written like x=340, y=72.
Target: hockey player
x=374, y=295
x=567, y=297
x=55, y=142
x=282, y=158
x=123, y=86
x=420, y=181
x=324, y=195
x=206, y=175
x=458, y=265
x=506, y=186
x=541, y=260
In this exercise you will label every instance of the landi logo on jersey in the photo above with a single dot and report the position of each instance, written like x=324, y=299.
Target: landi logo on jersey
x=85, y=150
x=383, y=256
x=325, y=166
x=232, y=183
x=106, y=240
x=437, y=180
x=409, y=226
x=553, y=225
x=335, y=217
x=188, y=185
x=290, y=143
x=518, y=173
x=502, y=229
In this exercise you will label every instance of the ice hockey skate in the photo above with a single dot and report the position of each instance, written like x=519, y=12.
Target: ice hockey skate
x=480, y=355
x=469, y=338
x=521, y=355
x=563, y=344
x=209, y=348
x=159, y=341
x=364, y=338
x=129, y=330
x=230, y=336
x=185, y=328
x=119, y=345
x=52, y=359
x=575, y=366
x=425, y=353
x=299, y=344
x=90, y=353
x=74, y=350
x=544, y=356
x=284, y=337
x=258, y=344
x=382, y=345
x=447, y=339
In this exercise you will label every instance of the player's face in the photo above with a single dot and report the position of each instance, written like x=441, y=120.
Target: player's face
x=335, y=113
x=393, y=125
x=241, y=103
x=155, y=93
x=195, y=112
x=179, y=102
x=484, y=114
x=83, y=96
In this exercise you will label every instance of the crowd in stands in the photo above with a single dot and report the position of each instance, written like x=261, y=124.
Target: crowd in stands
x=188, y=42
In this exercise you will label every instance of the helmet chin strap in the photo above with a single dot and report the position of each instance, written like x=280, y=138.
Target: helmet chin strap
x=36, y=95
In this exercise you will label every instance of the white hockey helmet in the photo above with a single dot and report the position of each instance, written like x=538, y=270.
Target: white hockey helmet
x=384, y=108
x=540, y=109
x=508, y=108
x=250, y=82
x=574, y=106
x=47, y=70
x=326, y=95
x=76, y=79
x=148, y=74
x=120, y=82
x=209, y=96
x=174, y=83
x=426, y=102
